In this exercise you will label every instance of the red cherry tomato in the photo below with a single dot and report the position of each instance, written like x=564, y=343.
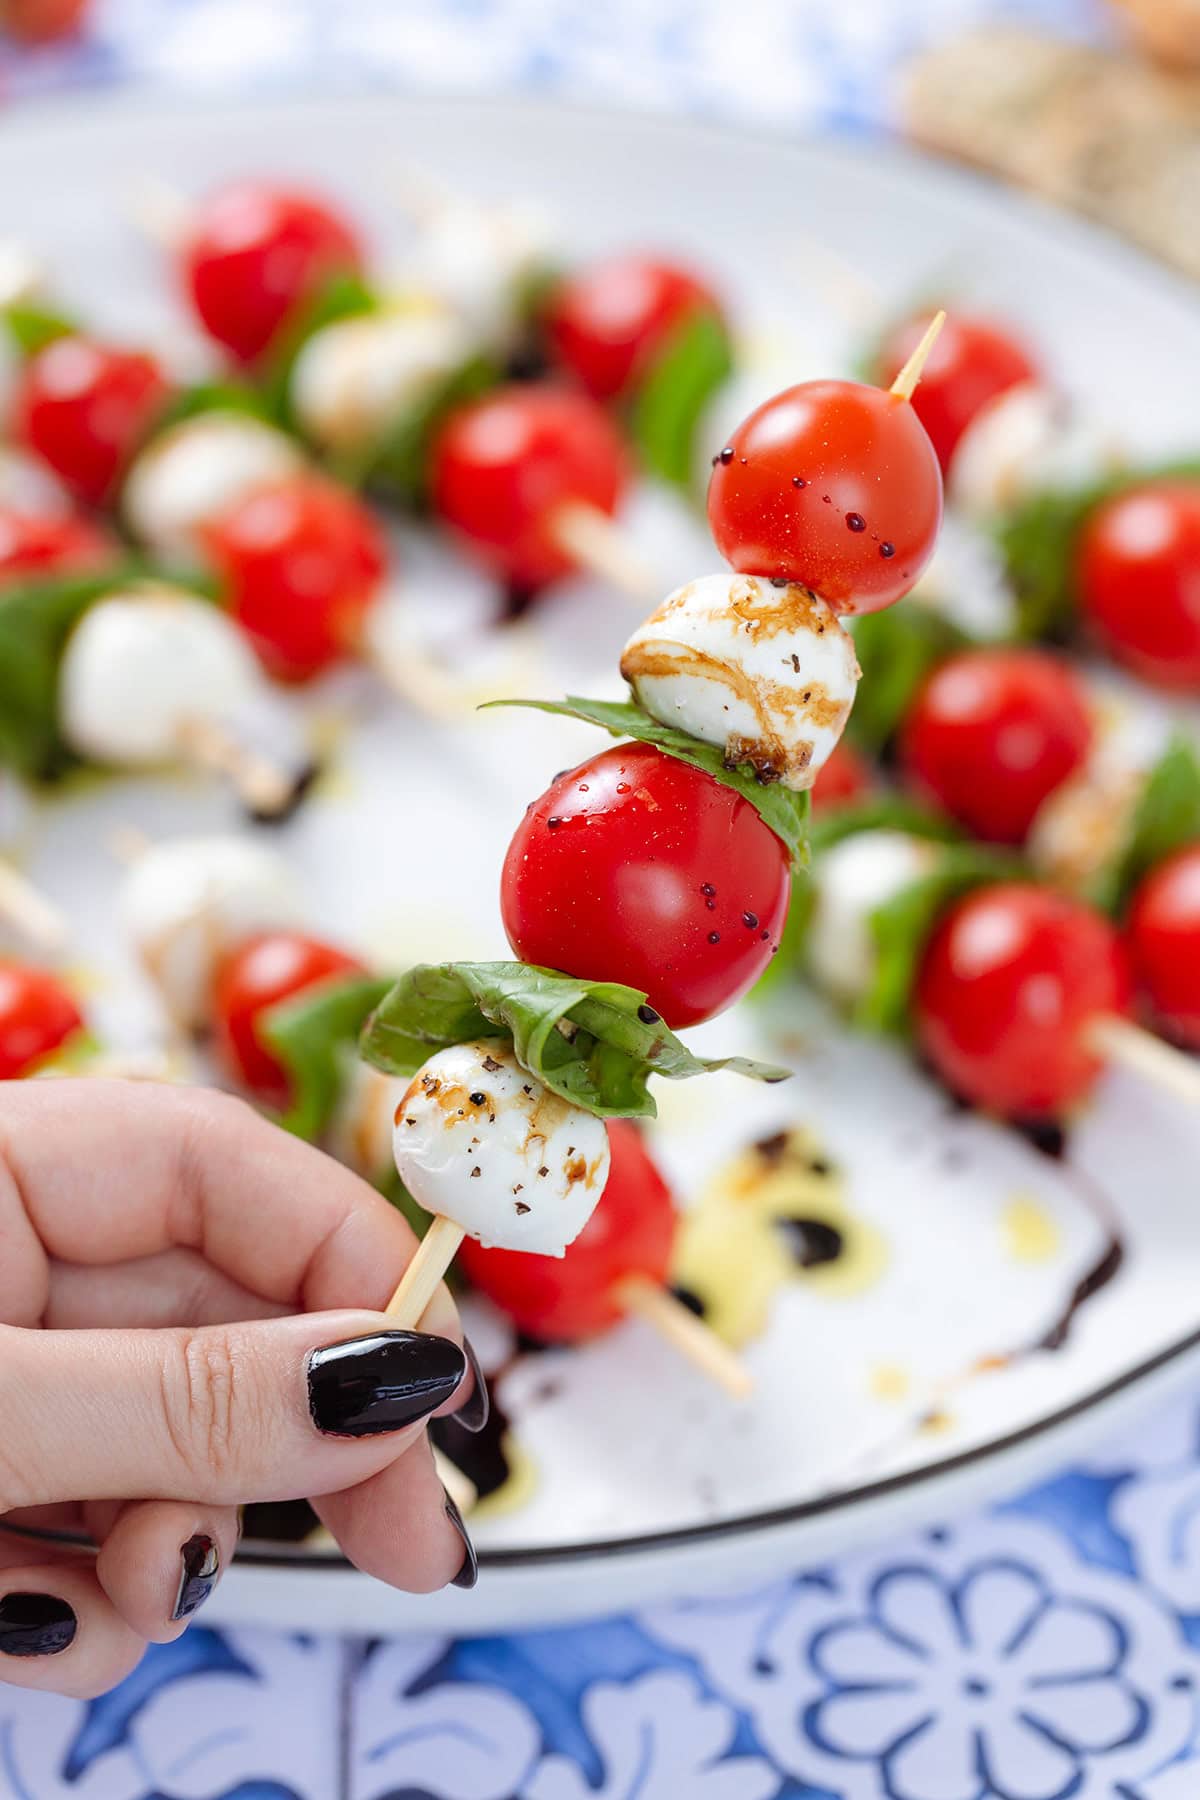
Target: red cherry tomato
x=973, y=362
x=992, y=733
x=84, y=408
x=845, y=777
x=1138, y=578
x=302, y=562
x=1010, y=981
x=638, y=868
x=37, y=1016
x=832, y=484
x=41, y=21
x=561, y=1299
x=504, y=466
x=33, y=545
x=254, y=254
x=1162, y=934
x=269, y=968
x=607, y=322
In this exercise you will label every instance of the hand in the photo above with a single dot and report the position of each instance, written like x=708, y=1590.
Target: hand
x=168, y=1266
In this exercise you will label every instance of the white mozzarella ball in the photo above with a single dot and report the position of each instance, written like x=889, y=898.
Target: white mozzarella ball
x=766, y=673
x=966, y=582
x=360, y=1131
x=1026, y=441
x=479, y=1141
x=850, y=881
x=193, y=472
x=188, y=901
x=143, y=665
x=1082, y=827
x=355, y=378
x=476, y=259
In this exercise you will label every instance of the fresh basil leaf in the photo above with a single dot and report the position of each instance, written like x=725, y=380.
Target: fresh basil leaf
x=1037, y=541
x=343, y=296
x=784, y=810
x=901, y=927
x=31, y=327
x=585, y=1040
x=673, y=392
x=398, y=466
x=209, y=397
x=310, y=1034
x=896, y=649
x=1165, y=819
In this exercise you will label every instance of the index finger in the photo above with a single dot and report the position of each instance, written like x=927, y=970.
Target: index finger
x=108, y=1171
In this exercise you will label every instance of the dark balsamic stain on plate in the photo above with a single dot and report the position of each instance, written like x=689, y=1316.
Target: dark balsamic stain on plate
x=1102, y=1271
x=810, y=1241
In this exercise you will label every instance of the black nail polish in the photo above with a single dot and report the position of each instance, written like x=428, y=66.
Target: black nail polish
x=201, y=1566
x=369, y=1385
x=475, y=1414
x=468, y=1575
x=36, y=1625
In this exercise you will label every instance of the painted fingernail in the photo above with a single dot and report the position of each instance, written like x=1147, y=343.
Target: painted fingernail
x=468, y=1575
x=369, y=1385
x=201, y=1565
x=475, y=1414
x=36, y=1625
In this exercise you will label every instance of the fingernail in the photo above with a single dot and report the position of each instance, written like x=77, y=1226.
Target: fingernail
x=475, y=1414
x=468, y=1575
x=369, y=1385
x=201, y=1566
x=36, y=1625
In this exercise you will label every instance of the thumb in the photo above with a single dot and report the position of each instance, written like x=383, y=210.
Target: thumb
x=273, y=1410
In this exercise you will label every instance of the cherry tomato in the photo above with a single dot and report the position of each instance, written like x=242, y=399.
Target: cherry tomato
x=33, y=545
x=560, y=1299
x=834, y=485
x=608, y=322
x=1162, y=934
x=638, y=868
x=503, y=467
x=1138, y=578
x=84, y=409
x=973, y=361
x=845, y=777
x=302, y=562
x=1009, y=983
x=37, y=1016
x=41, y=21
x=257, y=975
x=992, y=733
x=254, y=254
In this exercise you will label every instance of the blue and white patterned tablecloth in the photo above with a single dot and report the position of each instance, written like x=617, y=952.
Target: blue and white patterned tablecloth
x=1046, y=1650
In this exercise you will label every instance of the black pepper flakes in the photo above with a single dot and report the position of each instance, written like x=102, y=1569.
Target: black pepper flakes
x=521, y=1207
x=476, y=1172
x=543, y=1170
x=477, y=1099
x=491, y=1065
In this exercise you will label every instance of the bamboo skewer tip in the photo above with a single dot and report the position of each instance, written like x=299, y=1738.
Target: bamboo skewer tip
x=905, y=384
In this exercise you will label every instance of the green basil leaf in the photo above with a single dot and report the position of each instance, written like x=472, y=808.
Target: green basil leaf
x=585, y=1040
x=343, y=296
x=310, y=1034
x=1165, y=819
x=209, y=397
x=1037, y=541
x=31, y=327
x=896, y=649
x=398, y=466
x=784, y=810
x=673, y=392
x=901, y=927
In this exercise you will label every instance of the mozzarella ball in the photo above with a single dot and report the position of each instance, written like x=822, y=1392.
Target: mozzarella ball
x=1082, y=827
x=360, y=1130
x=965, y=581
x=141, y=666
x=355, y=378
x=1026, y=441
x=188, y=901
x=766, y=673
x=477, y=260
x=850, y=881
x=479, y=1141
x=194, y=471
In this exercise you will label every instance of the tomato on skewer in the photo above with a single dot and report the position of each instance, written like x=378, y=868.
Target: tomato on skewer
x=254, y=254
x=84, y=407
x=973, y=362
x=607, y=322
x=1138, y=579
x=257, y=975
x=37, y=1017
x=561, y=1299
x=636, y=867
x=1162, y=934
x=845, y=777
x=992, y=734
x=33, y=545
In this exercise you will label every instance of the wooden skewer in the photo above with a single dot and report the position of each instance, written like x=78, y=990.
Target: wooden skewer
x=29, y=913
x=685, y=1333
x=159, y=211
x=263, y=787
x=905, y=384
x=460, y=1487
x=593, y=540
x=1120, y=1041
x=423, y=1276
x=416, y=678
